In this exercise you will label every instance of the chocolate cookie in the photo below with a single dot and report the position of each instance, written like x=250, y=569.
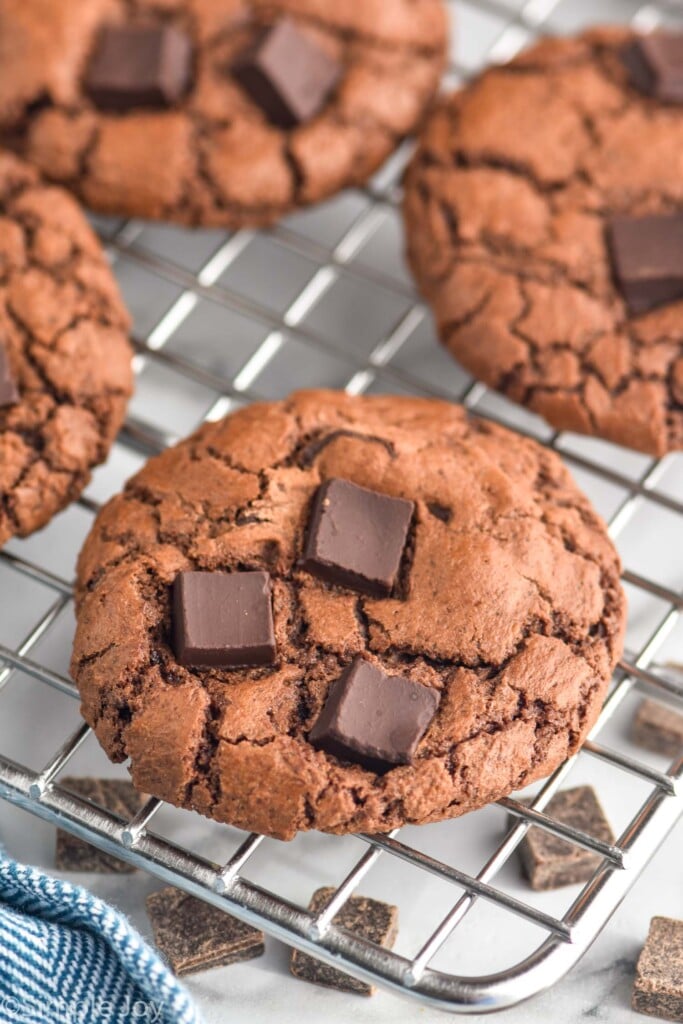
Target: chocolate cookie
x=65, y=361
x=223, y=112
x=544, y=211
x=249, y=638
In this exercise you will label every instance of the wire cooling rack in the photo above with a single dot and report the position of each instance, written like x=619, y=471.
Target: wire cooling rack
x=324, y=299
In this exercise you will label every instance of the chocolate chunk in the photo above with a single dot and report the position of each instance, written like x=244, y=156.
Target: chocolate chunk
x=647, y=254
x=655, y=65
x=115, y=795
x=287, y=75
x=658, y=727
x=550, y=862
x=223, y=619
x=9, y=395
x=374, y=719
x=139, y=66
x=377, y=922
x=658, y=988
x=356, y=537
x=193, y=935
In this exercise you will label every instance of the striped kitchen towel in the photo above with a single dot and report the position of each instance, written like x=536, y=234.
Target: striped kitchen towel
x=68, y=958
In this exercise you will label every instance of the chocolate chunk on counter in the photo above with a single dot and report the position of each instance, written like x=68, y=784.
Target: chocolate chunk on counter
x=356, y=537
x=287, y=74
x=115, y=795
x=658, y=727
x=550, y=862
x=374, y=719
x=655, y=65
x=370, y=919
x=193, y=935
x=647, y=257
x=658, y=988
x=224, y=620
x=9, y=394
x=139, y=66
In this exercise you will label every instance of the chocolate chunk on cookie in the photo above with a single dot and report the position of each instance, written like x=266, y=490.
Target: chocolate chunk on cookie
x=658, y=988
x=544, y=213
x=9, y=393
x=550, y=862
x=480, y=672
x=194, y=936
x=356, y=537
x=367, y=918
x=655, y=65
x=287, y=75
x=223, y=619
x=215, y=113
x=374, y=719
x=658, y=727
x=65, y=359
x=115, y=795
x=139, y=66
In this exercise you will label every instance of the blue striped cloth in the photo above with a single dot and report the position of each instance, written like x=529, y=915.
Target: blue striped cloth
x=68, y=958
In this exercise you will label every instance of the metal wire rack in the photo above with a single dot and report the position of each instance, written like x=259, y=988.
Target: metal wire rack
x=324, y=299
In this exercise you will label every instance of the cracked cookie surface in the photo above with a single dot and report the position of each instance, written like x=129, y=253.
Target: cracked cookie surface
x=509, y=603
x=214, y=158
x=65, y=331
x=507, y=203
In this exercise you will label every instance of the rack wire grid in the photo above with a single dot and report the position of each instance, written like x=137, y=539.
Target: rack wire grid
x=324, y=299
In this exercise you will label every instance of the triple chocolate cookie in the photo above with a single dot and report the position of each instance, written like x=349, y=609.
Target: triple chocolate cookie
x=223, y=112
x=345, y=614
x=544, y=211
x=65, y=360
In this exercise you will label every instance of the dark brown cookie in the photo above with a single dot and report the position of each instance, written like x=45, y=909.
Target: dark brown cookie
x=550, y=862
x=658, y=988
x=193, y=935
x=507, y=604
x=369, y=919
x=115, y=795
x=213, y=124
x=520, y=204
x=65, y=361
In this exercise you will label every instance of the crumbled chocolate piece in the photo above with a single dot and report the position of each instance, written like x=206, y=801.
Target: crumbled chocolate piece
x=193, y=935
x=658, y=988
x=550, y=862
x=370, y=919
x=114, y=795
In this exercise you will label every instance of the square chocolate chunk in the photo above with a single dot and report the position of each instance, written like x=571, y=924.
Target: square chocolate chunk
x=374, y=719
x=139, y=66
x=115, y=795
x=224, y=620
x=658, y=727
x=287, y=74
x=655, y=65
x=356, y=537
x=193, y=935
x=550, y=862
x=370, y=919
x=9, y=394
x=647, y=256
x=658, y=988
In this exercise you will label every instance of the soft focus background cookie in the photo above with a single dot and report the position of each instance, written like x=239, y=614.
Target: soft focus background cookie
x=65, y=361
x=524, y=208
x=505, y=607
x=204, y=119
